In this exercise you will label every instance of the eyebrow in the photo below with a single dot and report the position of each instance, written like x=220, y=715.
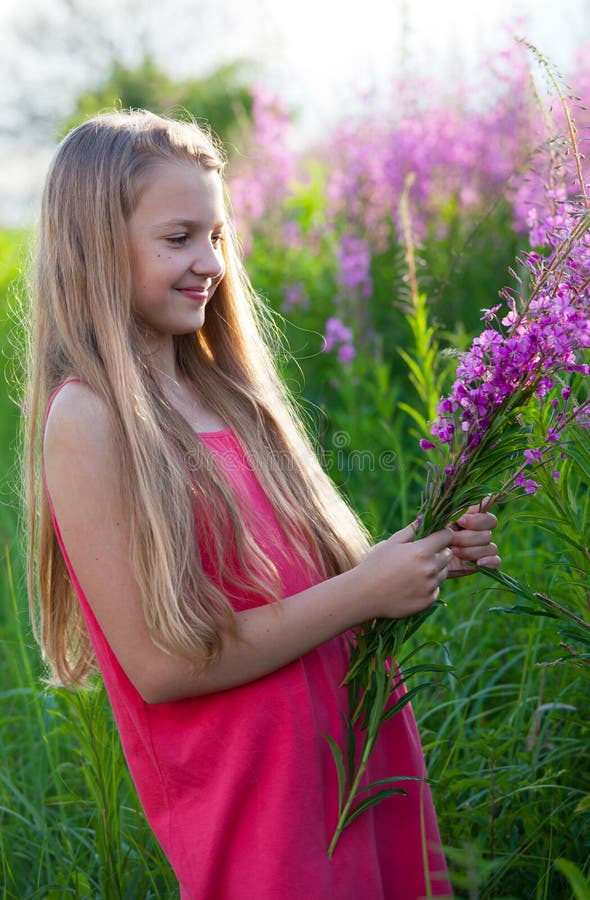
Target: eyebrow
x=188, y=223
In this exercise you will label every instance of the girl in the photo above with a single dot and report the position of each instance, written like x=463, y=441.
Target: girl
x=188, y=544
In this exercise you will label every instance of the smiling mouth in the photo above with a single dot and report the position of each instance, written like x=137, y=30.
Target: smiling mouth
x=194, y=293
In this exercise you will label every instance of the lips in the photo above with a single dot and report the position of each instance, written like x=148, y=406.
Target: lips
x=194, y=292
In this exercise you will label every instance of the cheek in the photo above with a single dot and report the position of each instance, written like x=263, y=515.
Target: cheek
x=143, y=265
x=156, y=269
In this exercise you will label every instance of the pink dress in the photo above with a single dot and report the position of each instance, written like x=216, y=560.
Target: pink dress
x=240, y=787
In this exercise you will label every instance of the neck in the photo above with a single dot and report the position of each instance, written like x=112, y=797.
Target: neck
x=161, y=362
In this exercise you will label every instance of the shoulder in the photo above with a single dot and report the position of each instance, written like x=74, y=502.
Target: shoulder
x=78, y=432
x=75, y=411
x=73, y=402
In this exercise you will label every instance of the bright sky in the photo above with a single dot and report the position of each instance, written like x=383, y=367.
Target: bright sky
x=315, y=51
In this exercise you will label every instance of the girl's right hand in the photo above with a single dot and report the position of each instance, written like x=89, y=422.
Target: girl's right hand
x=402, y=576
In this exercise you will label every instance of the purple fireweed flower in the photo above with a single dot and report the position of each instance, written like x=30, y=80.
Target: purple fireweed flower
x=489, y=314
x=265, y=171
x=426, y=444
x=346, y=353
x=295, y=297
x=340, y=338
x=544, y=386
x=336, y=333
x=292, y=236
x=355, y=265
x=530, y=486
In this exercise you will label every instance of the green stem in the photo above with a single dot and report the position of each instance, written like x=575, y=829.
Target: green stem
x=352, y=794
x=563, y=610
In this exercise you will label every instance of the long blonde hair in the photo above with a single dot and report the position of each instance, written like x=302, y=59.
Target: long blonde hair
x=82, y=326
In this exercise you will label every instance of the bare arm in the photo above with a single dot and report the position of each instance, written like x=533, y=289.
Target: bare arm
x=396, y=578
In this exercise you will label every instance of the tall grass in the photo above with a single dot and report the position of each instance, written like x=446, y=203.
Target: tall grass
x=69, y=818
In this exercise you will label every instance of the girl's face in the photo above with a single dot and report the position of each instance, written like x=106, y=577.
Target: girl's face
x=175, y=238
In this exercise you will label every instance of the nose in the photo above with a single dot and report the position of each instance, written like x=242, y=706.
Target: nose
x=208, y=262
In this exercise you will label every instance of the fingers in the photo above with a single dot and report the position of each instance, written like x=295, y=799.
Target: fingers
x=466, y=539
x=475, y=552
x=483, y=506
x=490, y=562
x=472, y=542
x=443, y=560
x=405, y=535
x=473, y=520
x=438, y=540
x=453, y=552
x=434, y=542
x=473, y=530
x=467, y=559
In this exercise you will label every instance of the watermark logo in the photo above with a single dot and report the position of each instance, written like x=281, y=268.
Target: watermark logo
x=340, y=458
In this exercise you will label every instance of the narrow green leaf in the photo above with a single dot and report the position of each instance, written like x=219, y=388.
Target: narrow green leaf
x=390, y=780
x=351, y=748
x=415, y=415
x=427, y=668
x=577, y=881
x=403, y=701
x=511, y=584
x=337, y=757
x=382, y=685
x=524, y=610
x=581, y=460
x=575, y=634
x=416, y=651
x=558, y=528
x=413, y=366
x=373, y=801
x=583, y=805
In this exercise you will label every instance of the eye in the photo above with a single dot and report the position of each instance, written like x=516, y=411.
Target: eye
x=178, y=240
x=217, y=239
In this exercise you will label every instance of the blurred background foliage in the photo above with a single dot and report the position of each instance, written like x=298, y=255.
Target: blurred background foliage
x=221, y=100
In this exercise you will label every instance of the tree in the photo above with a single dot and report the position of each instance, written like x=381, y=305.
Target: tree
x=221, y=98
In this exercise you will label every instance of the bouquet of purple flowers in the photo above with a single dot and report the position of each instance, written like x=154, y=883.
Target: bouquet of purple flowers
x=517, y=368
x=505, y=417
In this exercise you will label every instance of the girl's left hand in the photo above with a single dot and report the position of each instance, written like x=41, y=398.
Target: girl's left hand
x=472, y=543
